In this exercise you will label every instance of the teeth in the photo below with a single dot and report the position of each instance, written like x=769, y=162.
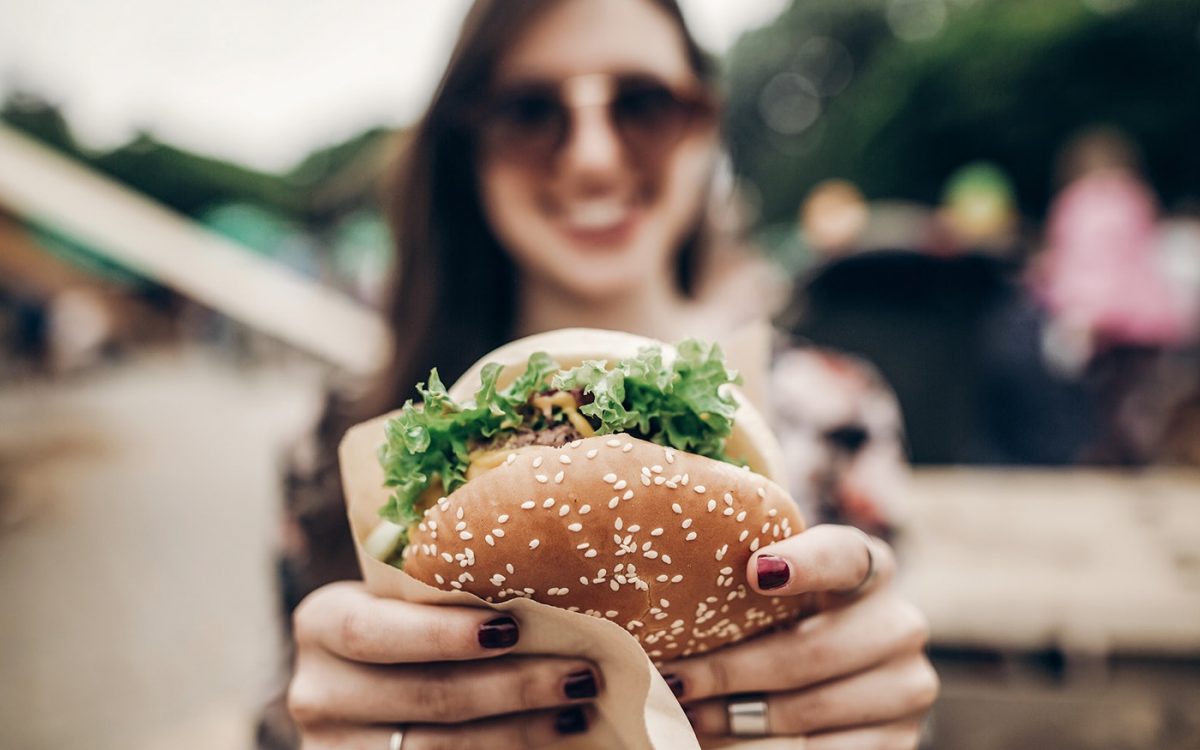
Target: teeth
x=598, y=215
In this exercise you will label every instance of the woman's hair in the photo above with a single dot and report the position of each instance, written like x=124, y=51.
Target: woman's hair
x=452, y=290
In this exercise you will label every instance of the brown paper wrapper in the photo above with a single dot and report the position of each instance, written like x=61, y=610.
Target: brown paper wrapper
x=636, y=710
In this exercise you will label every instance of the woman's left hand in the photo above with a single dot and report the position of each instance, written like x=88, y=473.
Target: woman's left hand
x=852, y=675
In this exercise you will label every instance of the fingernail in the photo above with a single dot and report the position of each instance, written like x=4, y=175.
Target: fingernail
x=498, y=633
x=571, y=721
x=581, y=684
x=772, y=571
x=675, y=682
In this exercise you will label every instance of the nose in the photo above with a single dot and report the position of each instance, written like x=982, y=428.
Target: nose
x=593, y=147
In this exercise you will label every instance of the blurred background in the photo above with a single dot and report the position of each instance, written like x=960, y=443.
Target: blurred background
x=995, y=203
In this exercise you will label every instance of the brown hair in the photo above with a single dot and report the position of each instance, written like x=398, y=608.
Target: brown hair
x=453, y=287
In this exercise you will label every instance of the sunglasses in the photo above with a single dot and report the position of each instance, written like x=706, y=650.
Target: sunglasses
x=530, y=123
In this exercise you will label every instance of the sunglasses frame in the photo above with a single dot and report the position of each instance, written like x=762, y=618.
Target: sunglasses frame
x=695, y=104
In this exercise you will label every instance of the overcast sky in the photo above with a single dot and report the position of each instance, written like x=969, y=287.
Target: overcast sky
x=258, y=81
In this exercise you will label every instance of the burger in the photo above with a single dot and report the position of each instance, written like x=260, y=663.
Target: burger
x=599, y=472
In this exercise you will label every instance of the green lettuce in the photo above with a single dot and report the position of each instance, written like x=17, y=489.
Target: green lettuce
x=683, y=405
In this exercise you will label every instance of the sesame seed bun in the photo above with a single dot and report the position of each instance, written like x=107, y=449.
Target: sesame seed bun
x=652, y=538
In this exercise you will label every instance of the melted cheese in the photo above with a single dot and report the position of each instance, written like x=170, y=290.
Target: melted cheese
x=484, y=460
x=565, y=401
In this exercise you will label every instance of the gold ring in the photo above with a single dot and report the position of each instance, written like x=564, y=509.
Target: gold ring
x=870, y=565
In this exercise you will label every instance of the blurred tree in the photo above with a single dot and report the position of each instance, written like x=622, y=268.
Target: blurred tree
x=894, y=95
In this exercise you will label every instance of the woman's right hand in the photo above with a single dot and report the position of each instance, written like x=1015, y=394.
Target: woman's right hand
x=366, y=667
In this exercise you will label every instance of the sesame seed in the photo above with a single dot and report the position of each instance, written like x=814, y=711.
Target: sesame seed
x=670, y=454
x=559, y=477
x=666, y=559
x=460, y=525
x=634, y=529
x=456, y=584
x=754, y=544
x=527, y=505
x=564, y=459
x=614, y=585
x=684, y=480
x=775, y=530
x=773, y=512
x=563, y=591
x=590, y=553
x=656, y=468
x=662, y=578
x=459, y=513
x=488, y=538
x=628, y=495
x=548, y=503
x=728, y=499
x=465, y=535
x=613, y=503
x=612, y=443
x=627, y=447
x=609, y=477
x=741, y=517
x=541, y=478
x=564, y=510
x=584, y=509
x=651, y=554
x=691, y=536
x=497, y=579
x=765, y=527
x=537, y=461
x=656, y=532
x=659, y=480
x=698, y=489
x=438, y=577
x=645, y=480
x=511, y=457
x=509, y=567
x=444, y=504
x=447, y=557
x=742, y=536
x=533, y=543
x=617, y=524
x=676, y=578
x=712, y=505
x=620, y=485
x=502, y=518
x=592, y=453
x=761, y=493
x=721, y=552
x=498, y=532
x=687, y=522
x=664, y=603
x=575, y=526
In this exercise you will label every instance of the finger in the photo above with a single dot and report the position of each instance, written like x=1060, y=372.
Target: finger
x=507, y=733
x=824, y=646
x=901, y=688
x=327, y=690
x=897, y=735
x=823, y=558
x=346, y=620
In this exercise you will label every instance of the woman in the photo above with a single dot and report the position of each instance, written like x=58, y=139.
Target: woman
x=560, y=178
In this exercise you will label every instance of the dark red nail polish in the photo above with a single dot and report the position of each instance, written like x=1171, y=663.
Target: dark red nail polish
x=498, y=633
x=675, y=682
x=773, y=571
x=571, y=721
x=581, y=684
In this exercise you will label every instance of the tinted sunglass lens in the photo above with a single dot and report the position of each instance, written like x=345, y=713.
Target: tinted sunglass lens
x=530, y=124
x=649, y=115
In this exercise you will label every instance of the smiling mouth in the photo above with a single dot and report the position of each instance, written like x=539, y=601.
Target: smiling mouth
x=597, y=216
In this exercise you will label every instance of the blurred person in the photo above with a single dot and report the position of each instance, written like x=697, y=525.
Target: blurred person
x=978, y=211
x=1116, y=320
x=562, y=177
x=833, y=218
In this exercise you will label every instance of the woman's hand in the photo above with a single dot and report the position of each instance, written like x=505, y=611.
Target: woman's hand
x=366, y=667
x=852, y=675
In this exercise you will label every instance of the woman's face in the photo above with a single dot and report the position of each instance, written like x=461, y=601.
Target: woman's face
x=597, y=216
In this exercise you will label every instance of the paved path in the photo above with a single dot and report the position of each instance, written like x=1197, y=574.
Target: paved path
x=137, y=520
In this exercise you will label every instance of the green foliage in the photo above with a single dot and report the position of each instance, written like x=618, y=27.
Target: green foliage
x=1007, y=81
